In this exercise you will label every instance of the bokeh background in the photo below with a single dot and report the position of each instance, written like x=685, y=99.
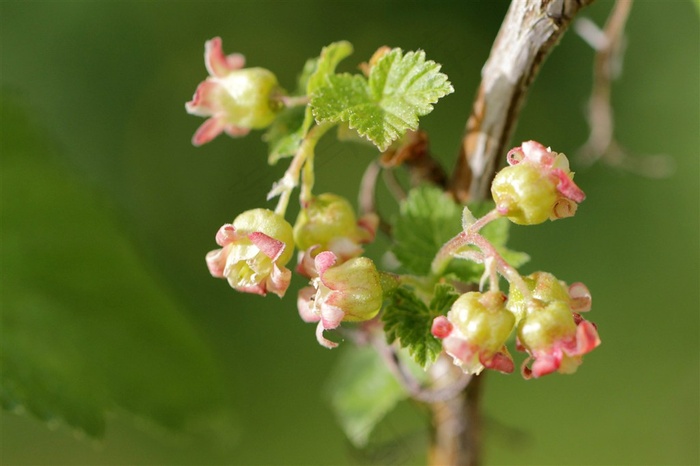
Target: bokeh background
x=108, y=211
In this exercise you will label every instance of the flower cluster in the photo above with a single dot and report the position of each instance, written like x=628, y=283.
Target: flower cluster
x=544, y=312
x=541, y=313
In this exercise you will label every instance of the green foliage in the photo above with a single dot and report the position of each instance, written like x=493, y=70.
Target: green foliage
x=428, y=218
x=409, y=320
x=362, y=391
x=86, y=329
x=287, y=132
x=401, y=87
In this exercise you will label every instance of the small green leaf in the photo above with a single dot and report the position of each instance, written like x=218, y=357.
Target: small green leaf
x=362, y=391
x=400, y=89
x=288, y=131
x=445, y=295
x=427, y=219
x=468, y=218
x=330, y=56
x=408, y=320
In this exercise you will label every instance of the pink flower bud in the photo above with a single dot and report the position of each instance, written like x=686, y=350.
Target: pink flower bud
x=537, y=186
x=475, y=331
x=255, y=249
x=349, y=292
x=235, y=99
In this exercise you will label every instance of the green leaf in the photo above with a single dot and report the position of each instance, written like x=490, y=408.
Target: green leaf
x=86, y=328
x=330, y=56
x=427, y=219
x=289, y=129
x=287, y=132
x=362, y=391
x=408, y=320
x=400, y=89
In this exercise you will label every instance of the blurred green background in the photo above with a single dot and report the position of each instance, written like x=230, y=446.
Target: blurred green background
x=108, y=211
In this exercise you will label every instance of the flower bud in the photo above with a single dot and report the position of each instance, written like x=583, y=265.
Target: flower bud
x=328, y=223
x=349, y=292
x=255, y=249
x=475, y=331
x=537, y=186
x=236, y=99
x=556, y=339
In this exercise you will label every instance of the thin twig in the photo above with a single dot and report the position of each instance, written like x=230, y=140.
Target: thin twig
x=601, y=143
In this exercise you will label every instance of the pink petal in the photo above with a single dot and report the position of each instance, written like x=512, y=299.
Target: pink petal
x=580, y=297
x=269, y=246
x=279, y=280
x=210, y=129
x=331, y=316
x=567, y=187
x=324, y=261
x=207, y=99
x=515, y=156
x=536, y=152
x=441, y=327
x=305, y=263
x=457, y=348
x=321, y=340
x=258, y=288
x=546, y=364
x=226, y=235
x=587, y=338
x=305, y=305
x=501, y=362
x=217, y=63
x=216, y=262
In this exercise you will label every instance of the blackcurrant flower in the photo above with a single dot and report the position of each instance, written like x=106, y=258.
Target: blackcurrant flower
x=235, y=99
x=550, y=326
x=475, y=331
x=348, y=292
x=255, y=250
x=537, y=186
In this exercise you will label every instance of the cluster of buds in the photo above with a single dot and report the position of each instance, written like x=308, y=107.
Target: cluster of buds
x=256, y=247
x=548, y=322
x=544, y=313
x=344, y=286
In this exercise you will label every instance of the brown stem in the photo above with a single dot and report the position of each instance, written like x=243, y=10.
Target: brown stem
x=529, y=31
x=457, y=428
